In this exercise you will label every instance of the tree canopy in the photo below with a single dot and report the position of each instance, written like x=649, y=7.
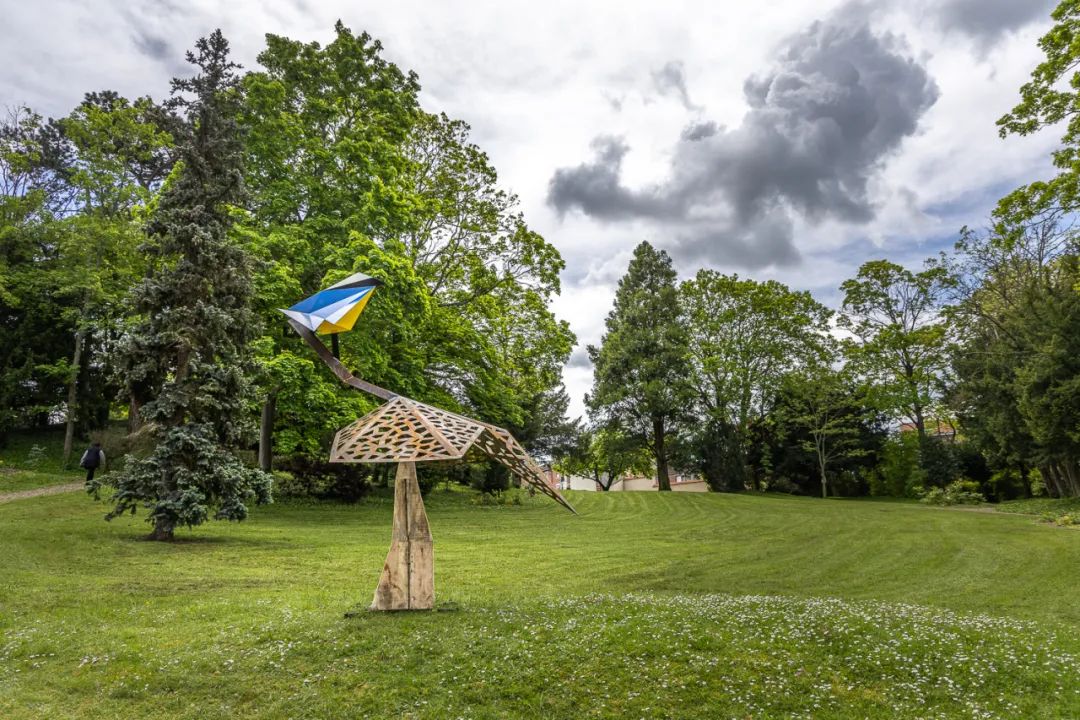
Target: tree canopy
x=641, y=367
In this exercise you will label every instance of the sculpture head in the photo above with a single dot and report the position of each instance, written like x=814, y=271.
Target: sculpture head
x=335, y=309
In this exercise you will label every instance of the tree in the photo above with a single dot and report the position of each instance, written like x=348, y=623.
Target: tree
x=35, y=324
x=1016, y=306
x=122, y=152
x=195, y=323
x=641, y=367
x=1014, y=359
x=66, y=262
x=604, y=455
x=325, y=128
x=822, y=405
x=745, y=337
x=348, y=174
x=1050, y=97
x=548, y=433
x=899, y=345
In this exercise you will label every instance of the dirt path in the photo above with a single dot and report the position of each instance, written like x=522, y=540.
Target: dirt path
x=38, y=492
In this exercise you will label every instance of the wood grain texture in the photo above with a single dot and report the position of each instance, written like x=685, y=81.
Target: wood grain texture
x=408, y=577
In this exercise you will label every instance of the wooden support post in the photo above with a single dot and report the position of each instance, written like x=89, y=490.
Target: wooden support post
x=408, y=576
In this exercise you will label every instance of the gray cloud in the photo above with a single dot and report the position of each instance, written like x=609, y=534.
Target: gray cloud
x=821, y=123
x=987, y=20
x=153, y=46
x=580, y=358
x=595, y=186
x=699, y=131
x=671, y=80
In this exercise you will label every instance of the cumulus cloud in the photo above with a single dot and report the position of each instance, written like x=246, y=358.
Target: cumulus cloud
x=987, y=20
x=838, y=102
x=699, y=131
x=595, y=186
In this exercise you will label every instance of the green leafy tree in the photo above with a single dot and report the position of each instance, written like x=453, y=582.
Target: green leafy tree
x=195, y=323
x=1052, y=96
x=1014, y=357
x=745, y=338
x=641, y=367
x=348, y=174
x=325, y=127
x=900, y=472
x=66, y=263
x=1016, y=386
x=604, y=455
x=35, y=324
x=821, y=410
x=899, y=337
x=122, y=153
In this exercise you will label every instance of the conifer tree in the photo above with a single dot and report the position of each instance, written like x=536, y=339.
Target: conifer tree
x=641, y=369
x=194, y=321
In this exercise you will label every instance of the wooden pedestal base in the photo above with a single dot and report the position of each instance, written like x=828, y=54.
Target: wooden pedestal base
x=408, y=576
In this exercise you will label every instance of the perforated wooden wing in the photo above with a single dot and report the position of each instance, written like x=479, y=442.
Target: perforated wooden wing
x=404, y=430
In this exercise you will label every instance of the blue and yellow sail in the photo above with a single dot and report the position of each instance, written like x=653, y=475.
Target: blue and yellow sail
x=335, y=309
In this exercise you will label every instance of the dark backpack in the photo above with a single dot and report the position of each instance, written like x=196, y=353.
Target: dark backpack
x=91, y=458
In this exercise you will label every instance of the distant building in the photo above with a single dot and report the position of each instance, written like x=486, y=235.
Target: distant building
x=680, y=482
x=577, y=482
x=941, y=429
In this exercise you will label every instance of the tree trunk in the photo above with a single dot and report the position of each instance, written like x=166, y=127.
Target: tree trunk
x=1071, y=479
x=820, y=443
x=69, y=431
x=266, y=433
x=163, y=530
x=662, y=480
x=134, y=421
x=1052, y=481
x=920, y=422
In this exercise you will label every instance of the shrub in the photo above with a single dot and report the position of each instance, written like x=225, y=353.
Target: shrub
x=1036, y=483
x=781, y=484
x=506, y=498
x=960, y=492
x=303, y=476
x=939, y=462
x=116, y=442
x=900, y=473
x=1065, y=520
x=35, y=457
x=1005, y=485
x=493, y=480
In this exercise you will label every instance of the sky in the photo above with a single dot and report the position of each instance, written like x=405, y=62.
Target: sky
x=789, y=140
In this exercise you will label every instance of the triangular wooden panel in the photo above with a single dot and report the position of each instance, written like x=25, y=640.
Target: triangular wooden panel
x=394, y=432
x=404, y=430
x=500, y=445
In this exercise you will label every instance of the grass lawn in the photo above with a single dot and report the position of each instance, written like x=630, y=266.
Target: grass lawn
x=21, y=468
x=644, y=606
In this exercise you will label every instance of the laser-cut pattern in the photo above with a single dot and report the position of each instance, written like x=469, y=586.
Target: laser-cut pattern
x=404, y=430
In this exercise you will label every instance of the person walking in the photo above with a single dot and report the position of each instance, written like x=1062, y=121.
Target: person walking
x=92, y=459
